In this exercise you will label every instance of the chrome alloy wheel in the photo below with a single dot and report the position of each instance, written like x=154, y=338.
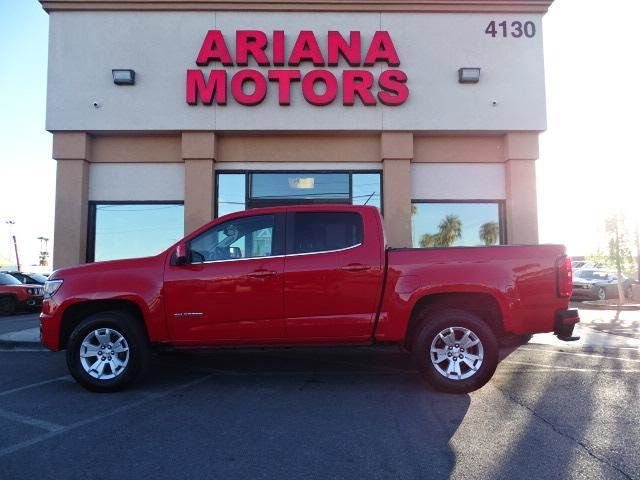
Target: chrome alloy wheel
x=456, y=353
x=104, y=353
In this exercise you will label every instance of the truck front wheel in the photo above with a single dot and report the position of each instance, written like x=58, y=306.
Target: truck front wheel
x=455, y=350
x=107, y=351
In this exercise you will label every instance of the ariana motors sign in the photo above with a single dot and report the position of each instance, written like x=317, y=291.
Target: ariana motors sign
x=321, y=85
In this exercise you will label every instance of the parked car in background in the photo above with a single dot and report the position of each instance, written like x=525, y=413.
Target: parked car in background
x=29, y=278
x=16, y=296
x=596, y=284
x=584, y=264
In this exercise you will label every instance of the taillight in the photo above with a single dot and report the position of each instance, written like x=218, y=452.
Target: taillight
x=564, y=276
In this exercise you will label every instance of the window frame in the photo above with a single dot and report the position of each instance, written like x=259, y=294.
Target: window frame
x=291, y=202
x=502, y=217
x=278, y=246
x=91, y=220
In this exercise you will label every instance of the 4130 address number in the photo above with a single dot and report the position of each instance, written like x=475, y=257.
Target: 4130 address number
x=515, y=29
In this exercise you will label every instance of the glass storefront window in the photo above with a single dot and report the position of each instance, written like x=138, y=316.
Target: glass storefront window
x=366, y=189
x=134, y=229
x=231, y=193
x=438, y=224
x=299, y=185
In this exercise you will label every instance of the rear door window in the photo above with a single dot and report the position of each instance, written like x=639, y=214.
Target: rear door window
x=309, y=232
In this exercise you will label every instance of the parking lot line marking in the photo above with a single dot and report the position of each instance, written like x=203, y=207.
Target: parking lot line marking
x=81, y=423
x=33, y=385
x=571, y=369
x=577, y=354
x=34, y=422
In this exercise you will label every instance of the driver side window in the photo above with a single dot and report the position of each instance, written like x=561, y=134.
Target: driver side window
x=248, y=237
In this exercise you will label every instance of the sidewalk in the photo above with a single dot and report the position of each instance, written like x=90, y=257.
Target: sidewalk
x=20, y=331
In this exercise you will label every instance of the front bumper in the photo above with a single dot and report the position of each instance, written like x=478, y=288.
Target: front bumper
x=32, y=301
x=564, y=323
x=50, y=320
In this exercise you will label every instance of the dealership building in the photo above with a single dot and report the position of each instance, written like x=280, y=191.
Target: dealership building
x=166, y=114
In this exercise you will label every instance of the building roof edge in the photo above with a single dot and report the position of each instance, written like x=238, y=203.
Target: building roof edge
x=425, y=6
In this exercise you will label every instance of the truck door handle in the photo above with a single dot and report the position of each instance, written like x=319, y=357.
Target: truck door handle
x=355, y=267
x=261, y=273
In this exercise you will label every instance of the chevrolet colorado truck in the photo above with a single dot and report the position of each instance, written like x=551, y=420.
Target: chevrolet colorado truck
x=305, y=276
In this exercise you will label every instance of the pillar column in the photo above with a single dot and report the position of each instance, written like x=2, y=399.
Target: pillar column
x=198, y=154
x=71, y=150
x=397, y=153
x=521, y=150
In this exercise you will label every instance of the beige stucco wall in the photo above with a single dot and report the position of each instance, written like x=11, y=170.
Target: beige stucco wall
x=200, y=152
x=70, y=227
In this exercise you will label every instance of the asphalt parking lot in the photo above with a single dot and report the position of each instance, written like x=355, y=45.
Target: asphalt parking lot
x=553, y=410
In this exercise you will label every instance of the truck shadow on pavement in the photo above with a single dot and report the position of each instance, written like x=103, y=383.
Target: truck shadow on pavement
x=309, y=413
x=575, y=428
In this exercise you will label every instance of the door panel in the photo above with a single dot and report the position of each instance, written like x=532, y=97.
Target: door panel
x=229, y=300
x=330, y=293
x=232, y=291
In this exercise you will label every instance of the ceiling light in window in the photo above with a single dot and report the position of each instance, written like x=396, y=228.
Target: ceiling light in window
x=302, y=183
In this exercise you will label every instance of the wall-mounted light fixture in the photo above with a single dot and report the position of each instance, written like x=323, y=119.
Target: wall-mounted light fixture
x=123, y=76
x=468, y=75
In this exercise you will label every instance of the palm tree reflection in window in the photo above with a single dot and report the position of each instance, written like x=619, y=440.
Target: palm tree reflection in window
x=489, y=233
x=449, y=230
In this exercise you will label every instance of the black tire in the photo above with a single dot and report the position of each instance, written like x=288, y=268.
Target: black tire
x=8, y=305
x=602, y=293
x=433, y=323
x=138, y=349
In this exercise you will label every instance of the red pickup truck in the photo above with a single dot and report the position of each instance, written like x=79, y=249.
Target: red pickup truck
x=306, y=275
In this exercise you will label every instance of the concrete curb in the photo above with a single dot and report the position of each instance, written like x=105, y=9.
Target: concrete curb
x=29, y=338
x=596, y=305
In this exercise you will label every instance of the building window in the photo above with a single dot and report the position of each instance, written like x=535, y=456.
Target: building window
x=457, y=223
x=299, y=186
x=238, y=191
x=132, y=229
x=231, y=193
x=366, y=189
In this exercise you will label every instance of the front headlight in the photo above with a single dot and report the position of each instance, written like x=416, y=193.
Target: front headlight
x=31, y=291
x=51, y=287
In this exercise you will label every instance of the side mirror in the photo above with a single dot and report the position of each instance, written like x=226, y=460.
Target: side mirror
x=181, y=254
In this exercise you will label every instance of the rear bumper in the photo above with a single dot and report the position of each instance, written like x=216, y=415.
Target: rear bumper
x=564, y=323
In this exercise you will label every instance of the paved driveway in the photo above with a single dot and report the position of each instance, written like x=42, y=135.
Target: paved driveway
x=551, y=411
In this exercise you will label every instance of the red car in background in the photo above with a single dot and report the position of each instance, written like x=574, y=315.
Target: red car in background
x=16, y=296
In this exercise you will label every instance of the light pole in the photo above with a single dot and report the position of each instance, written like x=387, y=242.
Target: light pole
x=11, y=223
x=44, y=253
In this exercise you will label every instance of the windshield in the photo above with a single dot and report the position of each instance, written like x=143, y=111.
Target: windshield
x=6, y=279
x=37, y=277
x=593, y=275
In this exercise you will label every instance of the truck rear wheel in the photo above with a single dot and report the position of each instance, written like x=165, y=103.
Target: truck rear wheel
x=455, y=350
x=107, y=351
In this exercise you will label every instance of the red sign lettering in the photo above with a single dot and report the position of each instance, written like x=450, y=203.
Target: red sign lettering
x=318, y=87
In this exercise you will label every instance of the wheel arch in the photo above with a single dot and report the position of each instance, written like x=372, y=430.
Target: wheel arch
x=77, y=312
x=485, y=305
